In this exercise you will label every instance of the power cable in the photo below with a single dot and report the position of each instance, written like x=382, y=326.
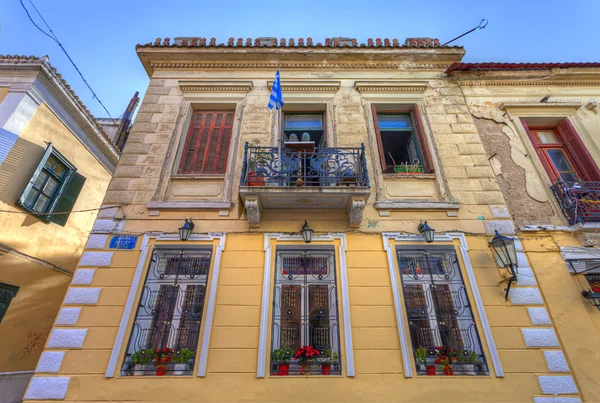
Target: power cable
x=66, y=212
x=55, y=39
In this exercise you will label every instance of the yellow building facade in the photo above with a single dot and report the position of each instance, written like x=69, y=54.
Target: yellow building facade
x=54, y=158
x=373, y=140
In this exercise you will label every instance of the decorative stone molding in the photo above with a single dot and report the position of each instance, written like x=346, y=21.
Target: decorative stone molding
x=96, y=241
x=215, y=86
x=66, y=338
x=556, y=361
x=540, y=337
x=96, y=259
x=307, y=85
x=252, y=206
x=298, y=66
x=405, y=205
x=183, y=205
x=82, y=296
x=525, y=296
x=541, y=108
x=83, y=276
x=483, y=83
x=356, y=207
x=539, y=316
x=50, y=361
x=391, y=86
x=557, y=385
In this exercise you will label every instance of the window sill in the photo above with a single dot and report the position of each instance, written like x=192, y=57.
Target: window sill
x=197, y=177
x=190, y=205
x=400, y=176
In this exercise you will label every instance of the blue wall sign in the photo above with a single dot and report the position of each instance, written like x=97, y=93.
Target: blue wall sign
x=123, y=242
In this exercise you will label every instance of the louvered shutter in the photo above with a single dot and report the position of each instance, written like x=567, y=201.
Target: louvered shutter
x=66, y=200
x=415, y=116
x=578, y=152
x=36, y=173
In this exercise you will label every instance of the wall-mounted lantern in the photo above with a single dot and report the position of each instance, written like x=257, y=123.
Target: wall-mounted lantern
x=504, y=247
x=307, y=232
x=593, y=297
x=186, y=230
x=427, y=232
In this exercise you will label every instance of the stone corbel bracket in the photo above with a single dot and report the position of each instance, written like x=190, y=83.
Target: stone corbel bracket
x=307, y=86
x=215, y=85
x=253, y=210
x=356, y=208
x=415, y=87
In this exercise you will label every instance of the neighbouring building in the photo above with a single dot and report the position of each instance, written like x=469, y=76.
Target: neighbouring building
x=54, y=159
x=377, y=143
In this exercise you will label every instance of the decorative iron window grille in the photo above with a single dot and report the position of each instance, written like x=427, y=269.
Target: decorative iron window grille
x=165, y=333
x=579, y=201
x=7, y=293
x=305, y=312
x=444, y=336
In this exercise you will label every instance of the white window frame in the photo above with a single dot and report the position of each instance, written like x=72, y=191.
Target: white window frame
x=135, y=285
x=407, y=353
x=268, y=278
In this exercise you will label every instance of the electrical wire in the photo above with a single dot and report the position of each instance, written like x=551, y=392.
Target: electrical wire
x=55, y=39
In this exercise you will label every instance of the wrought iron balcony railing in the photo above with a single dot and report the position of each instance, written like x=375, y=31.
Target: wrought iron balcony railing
x=579, y=201
x=317, y=167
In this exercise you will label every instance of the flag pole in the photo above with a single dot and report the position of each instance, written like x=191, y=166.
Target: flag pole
x=279, y=132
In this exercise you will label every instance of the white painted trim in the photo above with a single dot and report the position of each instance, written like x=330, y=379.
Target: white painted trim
x=485, y=325
x=137, y=277
x=266, y=302
x=346, y=308
x=16, y=373
x=210, y=312
x=264, y=308
x=406, y=354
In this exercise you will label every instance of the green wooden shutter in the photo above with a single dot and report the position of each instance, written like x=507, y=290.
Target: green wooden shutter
x=67, y=199
x=37, y=171
x=7, y=293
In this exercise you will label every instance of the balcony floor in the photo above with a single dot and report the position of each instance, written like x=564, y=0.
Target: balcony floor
x=305, y=197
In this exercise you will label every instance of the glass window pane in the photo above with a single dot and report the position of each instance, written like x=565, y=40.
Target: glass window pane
x=51, y=187
x=31, y=198
x=547, y=137
x=50, y=162
x=563, y=166
x=394, y=122
x=304, y=122
x=169, y=314
x=60, y=170
x=41, y=204
x=40, y=180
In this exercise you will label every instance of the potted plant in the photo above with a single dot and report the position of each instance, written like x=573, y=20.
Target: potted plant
x=140, y=359
x=444, y=363
x=327, y=358
x=469, y=358
x=162, y=359
x=305, y=356
x=256, y=170
x=421, y=359
x=282, y=358
x=183, y=361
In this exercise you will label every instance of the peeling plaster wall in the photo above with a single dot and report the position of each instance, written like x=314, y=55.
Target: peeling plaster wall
x=511, y=177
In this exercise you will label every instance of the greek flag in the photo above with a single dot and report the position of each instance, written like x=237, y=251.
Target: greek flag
x=276, y=99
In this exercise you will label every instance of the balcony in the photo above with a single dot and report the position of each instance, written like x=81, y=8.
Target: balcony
x=579, y=201
x=301, y=176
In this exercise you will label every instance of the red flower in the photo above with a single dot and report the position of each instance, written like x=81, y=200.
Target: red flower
x=306, y=352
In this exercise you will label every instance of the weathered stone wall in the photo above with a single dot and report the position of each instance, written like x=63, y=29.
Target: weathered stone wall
x=511, y=178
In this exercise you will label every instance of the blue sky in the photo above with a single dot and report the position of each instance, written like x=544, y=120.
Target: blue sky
x=101, y=35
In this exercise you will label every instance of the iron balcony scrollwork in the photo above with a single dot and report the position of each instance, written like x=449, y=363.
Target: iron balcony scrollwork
x=579, y=201
x=321, y=166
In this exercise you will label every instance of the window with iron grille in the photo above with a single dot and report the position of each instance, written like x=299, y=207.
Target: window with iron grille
x=444, y=336
x=207, y=143
x=53, y=188
x=164, y=338
x=305, y=313
x=7, y=293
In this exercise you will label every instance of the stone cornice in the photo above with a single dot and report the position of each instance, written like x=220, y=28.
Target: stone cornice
x=483, y=83
x=307, y=85
x=391, y=86
x=216, y=86
x=169, y=65
x=540, y=107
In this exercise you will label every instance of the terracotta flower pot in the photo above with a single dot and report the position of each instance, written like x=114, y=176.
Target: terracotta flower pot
x=448, y=371
x=430, y=370
x=284, y=369
x=255, y=180
x=325, y=369
x=161, y=370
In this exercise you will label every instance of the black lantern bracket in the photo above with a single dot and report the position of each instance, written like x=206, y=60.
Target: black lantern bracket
x=505, y=250
x=592, y=297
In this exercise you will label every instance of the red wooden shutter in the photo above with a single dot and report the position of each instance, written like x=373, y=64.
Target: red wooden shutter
x=578, y=153
x=207, y=143
x=415, y=116
x=540, y=152
x=379, y=140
